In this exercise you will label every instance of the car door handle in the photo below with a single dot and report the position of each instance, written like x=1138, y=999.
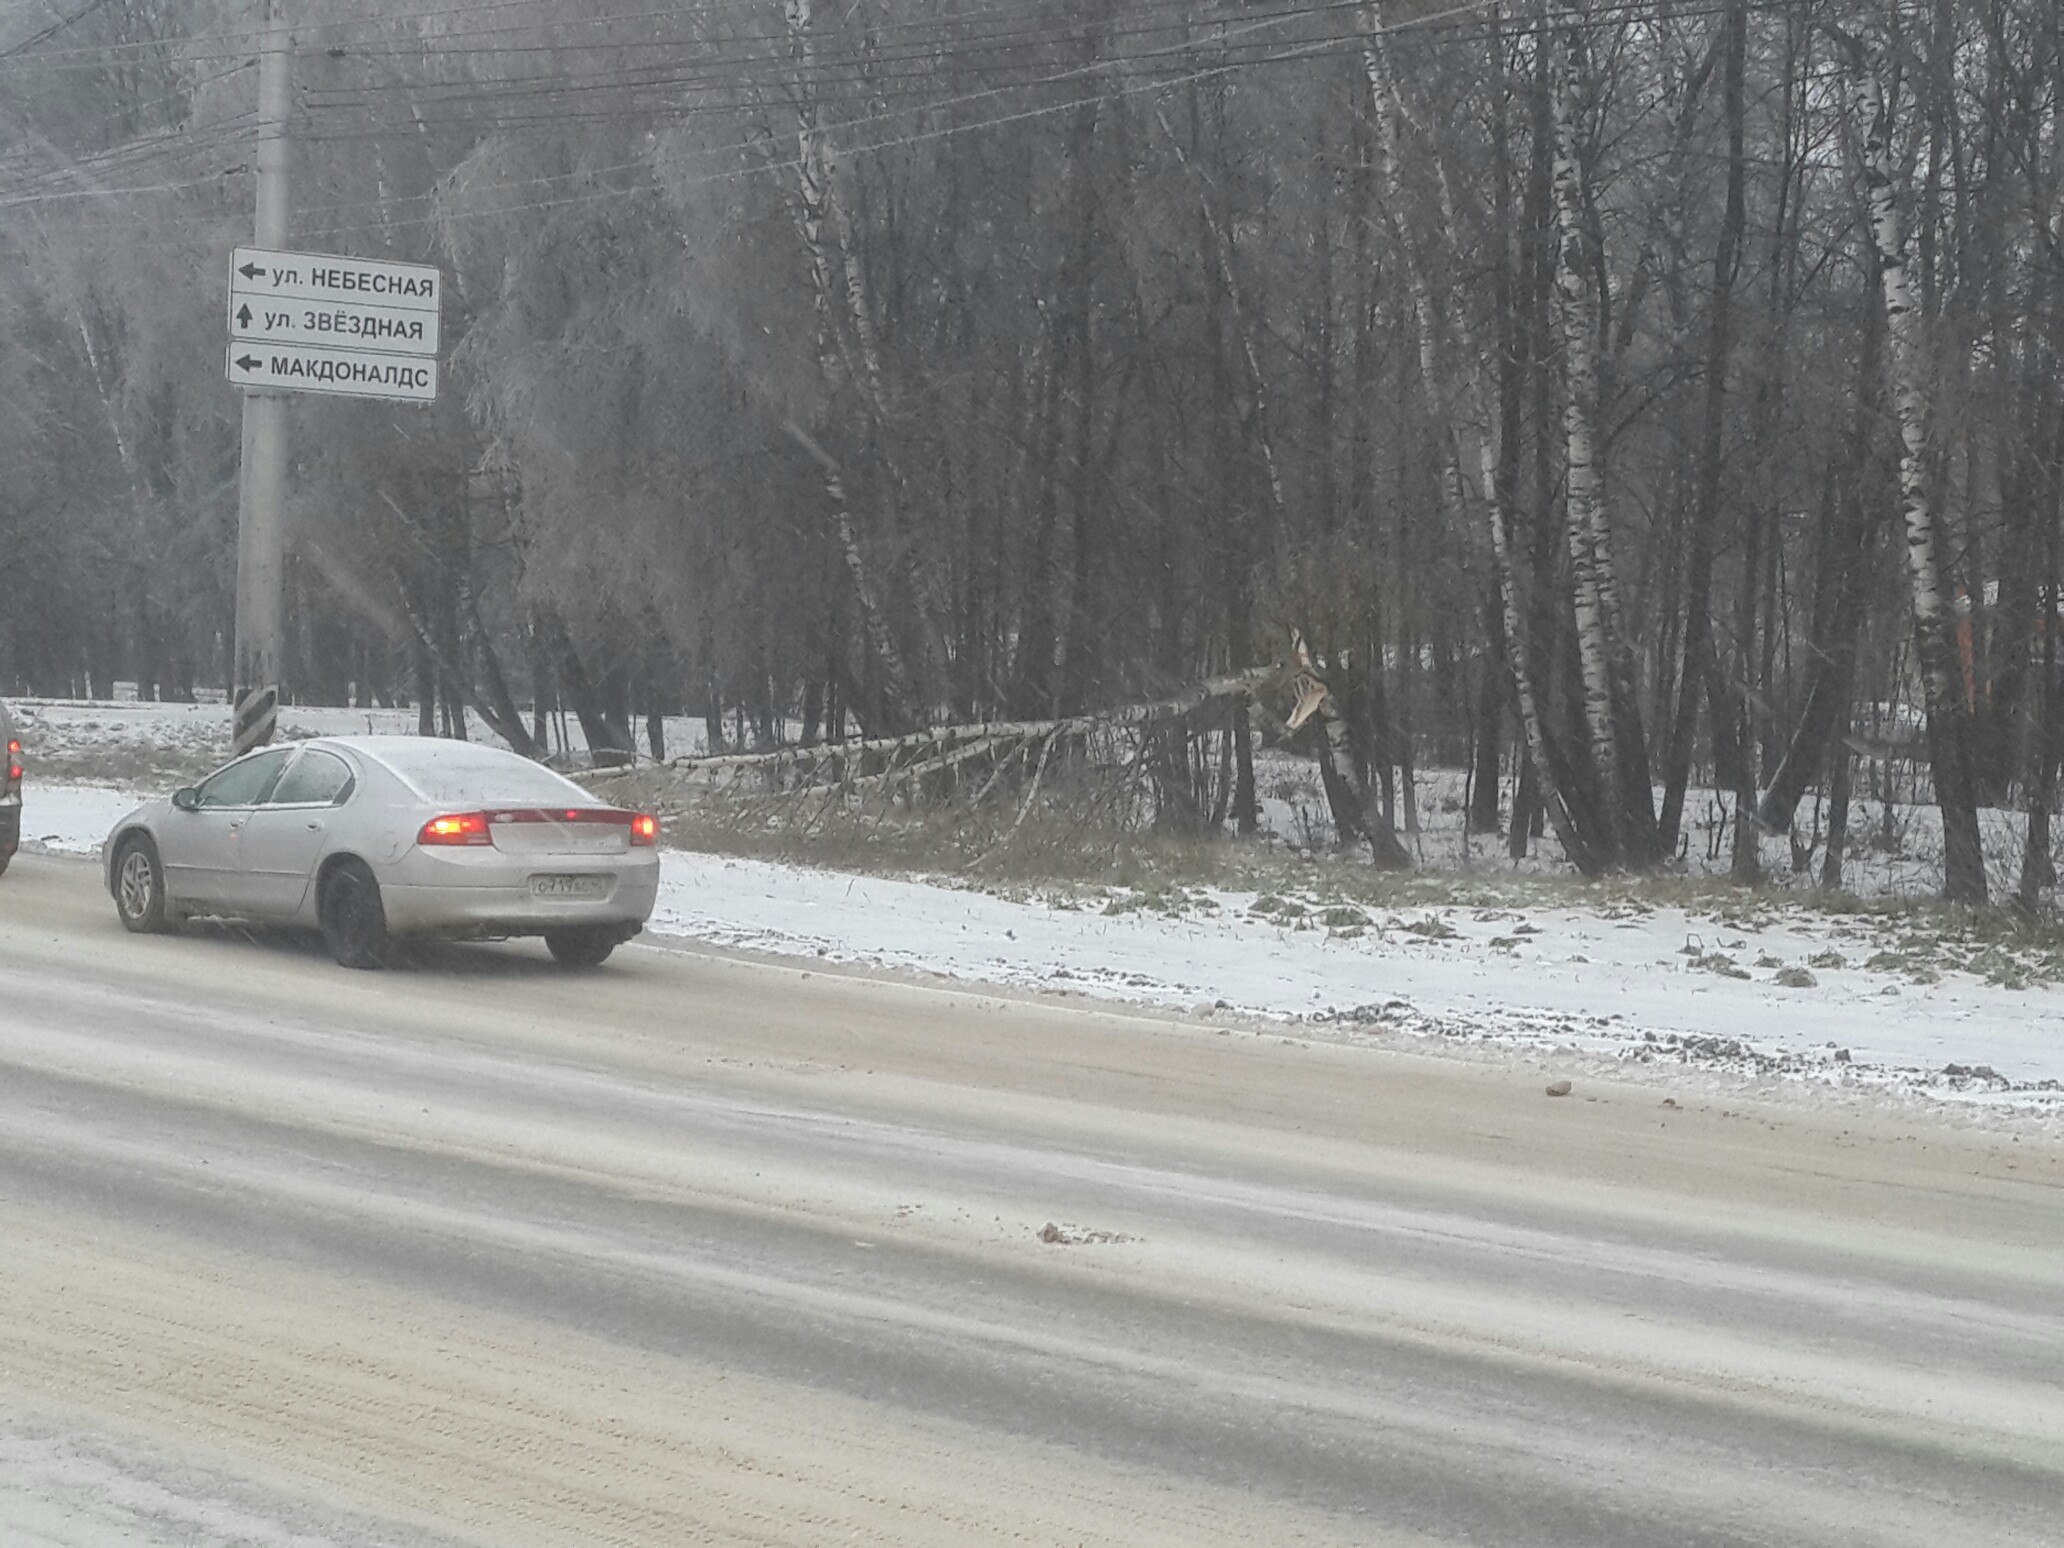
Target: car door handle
x=315, y=827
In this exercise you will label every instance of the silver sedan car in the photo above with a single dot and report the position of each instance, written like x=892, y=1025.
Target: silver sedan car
x=371, y=838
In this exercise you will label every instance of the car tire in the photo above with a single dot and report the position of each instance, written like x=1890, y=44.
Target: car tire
x=586, y=947
x=5, y=862
x=139, y=888
x=354, y=921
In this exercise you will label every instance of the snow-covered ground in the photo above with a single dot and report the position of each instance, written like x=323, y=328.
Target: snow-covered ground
x=1894, y=848
x=1762, y=988
x=1860, y=1002
x=151, y=744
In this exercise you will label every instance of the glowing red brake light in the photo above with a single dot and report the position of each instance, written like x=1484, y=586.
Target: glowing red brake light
x=460, y=828
x=14, y=763
x=644, y=829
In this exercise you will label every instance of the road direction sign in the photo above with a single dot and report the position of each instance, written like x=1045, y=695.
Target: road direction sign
x=257, y=273
x=377, y=329
x=345, y=373
x=318, y=322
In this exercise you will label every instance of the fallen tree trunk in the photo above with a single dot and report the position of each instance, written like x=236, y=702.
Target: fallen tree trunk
x=881, y=759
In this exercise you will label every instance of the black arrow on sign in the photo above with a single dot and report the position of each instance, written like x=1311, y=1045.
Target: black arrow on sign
x=243, y=317
x=248, y=363
x=251, y=271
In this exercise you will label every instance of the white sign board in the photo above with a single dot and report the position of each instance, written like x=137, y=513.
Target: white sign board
x=316, y=322
x=257, y=273
x=376, y=329
x=344, y=373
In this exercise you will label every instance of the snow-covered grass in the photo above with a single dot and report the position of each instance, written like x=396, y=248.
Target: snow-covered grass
x=154, y=745
x=1766, y=985
x=1894, y=848
x=1770, y=990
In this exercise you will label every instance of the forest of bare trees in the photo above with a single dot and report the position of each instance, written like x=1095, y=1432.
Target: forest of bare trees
x=1646, y=397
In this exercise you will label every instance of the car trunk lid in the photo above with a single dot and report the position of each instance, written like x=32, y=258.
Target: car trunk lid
x=534, y=831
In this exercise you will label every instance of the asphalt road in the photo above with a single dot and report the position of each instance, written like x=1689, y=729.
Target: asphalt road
x=698, y=1249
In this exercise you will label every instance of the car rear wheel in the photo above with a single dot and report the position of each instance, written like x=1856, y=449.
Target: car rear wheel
x=140, y=888
x=588, y=946
x=354, y=922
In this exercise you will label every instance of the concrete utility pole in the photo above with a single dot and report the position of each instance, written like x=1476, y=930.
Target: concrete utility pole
x=262, y=496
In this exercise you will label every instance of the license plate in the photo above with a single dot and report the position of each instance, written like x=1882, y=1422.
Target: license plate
x=569, y=887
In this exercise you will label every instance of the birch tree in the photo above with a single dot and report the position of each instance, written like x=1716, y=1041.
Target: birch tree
x=1948, y=720
x=1461, y=421
x=840, y=302
x=1618, y=769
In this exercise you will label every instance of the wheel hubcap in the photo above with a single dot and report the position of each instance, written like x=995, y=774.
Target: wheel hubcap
x=137, y=884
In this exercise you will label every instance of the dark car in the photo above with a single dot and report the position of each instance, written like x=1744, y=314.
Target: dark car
x=10, y=790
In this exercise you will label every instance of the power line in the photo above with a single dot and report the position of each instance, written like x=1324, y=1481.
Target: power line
x=169, y=143
x=1127, y=70
x=861, y=55
x=126, y=190
x=1105, y=68
x=1251, y=25
x=60, y=25
x=897, y=85
x=464, y=42
x=790, y=164
x=99, y=53
x=840, y=67
x=208, y=141
x=869, y=148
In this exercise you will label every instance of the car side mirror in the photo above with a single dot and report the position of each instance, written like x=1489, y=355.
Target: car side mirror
x=186, y=799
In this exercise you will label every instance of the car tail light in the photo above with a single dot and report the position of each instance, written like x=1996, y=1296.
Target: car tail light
x=478, y=827
x=14, y=763
x=459, y=828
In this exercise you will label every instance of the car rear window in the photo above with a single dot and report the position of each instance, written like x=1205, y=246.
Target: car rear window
x=453, y=774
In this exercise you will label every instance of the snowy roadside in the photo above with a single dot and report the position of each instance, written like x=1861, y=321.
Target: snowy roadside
x=158, y=745
x=1770, y=991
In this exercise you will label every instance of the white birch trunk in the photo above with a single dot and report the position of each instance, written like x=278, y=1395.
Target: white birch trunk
x=1963, y=855
x=830, y=760
x=1337, y=749
x=1462, y=469
x=813, y=177
x=1909, y=388
x=872, y=622
x=814, y=172
x=860, y=304
x=1589, y=550
x=105, y=391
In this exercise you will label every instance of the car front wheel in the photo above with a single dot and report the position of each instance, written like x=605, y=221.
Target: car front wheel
x=140, y=888
x=588, y=946
x=354, y=922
